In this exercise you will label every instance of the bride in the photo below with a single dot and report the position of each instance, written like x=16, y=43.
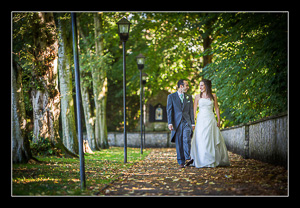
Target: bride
x=208, y=148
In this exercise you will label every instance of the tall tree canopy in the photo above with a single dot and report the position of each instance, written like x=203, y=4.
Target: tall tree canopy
x=249, y=70
x=244, y=54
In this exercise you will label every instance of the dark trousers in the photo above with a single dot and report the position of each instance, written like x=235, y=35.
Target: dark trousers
x=183, y=142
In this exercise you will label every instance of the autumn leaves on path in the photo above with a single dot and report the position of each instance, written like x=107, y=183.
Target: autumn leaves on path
x=158, y=175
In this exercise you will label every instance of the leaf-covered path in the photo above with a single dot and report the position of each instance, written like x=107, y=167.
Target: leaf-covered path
x=158, y=175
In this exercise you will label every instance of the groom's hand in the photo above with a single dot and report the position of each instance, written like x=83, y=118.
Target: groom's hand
x=170, y=127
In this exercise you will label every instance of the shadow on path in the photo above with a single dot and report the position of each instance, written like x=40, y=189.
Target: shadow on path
x=158, y=175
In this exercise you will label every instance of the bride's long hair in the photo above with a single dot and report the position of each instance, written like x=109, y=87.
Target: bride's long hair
x=207, y=84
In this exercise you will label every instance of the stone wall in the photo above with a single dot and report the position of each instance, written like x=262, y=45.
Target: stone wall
x=152, y=139
x=235, y=139
x=265, y=139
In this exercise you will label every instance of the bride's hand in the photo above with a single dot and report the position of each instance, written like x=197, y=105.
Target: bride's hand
x=218, y=124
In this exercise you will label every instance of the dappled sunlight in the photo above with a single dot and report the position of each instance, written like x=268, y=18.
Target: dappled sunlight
x=30, y=180
x=60, y=176
x=158, y=175
x=91, y=121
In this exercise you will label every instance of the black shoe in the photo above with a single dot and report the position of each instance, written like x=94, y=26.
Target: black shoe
x=189, y=162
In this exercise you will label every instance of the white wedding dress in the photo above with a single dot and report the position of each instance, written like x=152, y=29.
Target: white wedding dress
x=208, y=148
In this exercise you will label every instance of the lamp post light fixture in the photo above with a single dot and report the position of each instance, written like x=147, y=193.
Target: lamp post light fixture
x=123, y=30
x=140, y=59
x=144, y=78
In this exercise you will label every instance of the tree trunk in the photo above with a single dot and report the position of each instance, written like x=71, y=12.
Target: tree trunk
x=46, y=97
x=208, y=37
x=65, y=80
x=20, y=144
x=89, y=120
x=100, y=86
x=207, y=47
x=40, y=115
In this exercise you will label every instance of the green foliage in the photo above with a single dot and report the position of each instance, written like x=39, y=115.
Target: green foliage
x=22, y=53
x=44, y=147
x=170, y=50
x=249, y=69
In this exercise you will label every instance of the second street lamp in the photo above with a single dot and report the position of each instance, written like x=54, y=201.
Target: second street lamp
x=123, y=30
x=144, y=80
x=140, y=59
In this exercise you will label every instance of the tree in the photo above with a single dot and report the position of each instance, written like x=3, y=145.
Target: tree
x=207, y=25
x=250, y=66
x=20, y=144
x=35, y=47
x=45, y=97
x=100, y=84
x=244, y=54
x=86, y=80
x=93, y=75
x=69, y=135
x=170, y=50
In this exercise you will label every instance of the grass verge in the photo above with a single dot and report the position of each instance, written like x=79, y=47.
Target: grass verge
x=60, y=176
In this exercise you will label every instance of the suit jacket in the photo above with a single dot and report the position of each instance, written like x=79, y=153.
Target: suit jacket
x=176, y=111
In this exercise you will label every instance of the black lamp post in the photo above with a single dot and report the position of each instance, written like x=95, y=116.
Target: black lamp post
x=144, y=80
x=140, y=59
x=123, y=29
x=78, y=101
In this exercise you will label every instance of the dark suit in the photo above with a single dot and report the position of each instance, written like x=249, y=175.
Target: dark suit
x=181, y=116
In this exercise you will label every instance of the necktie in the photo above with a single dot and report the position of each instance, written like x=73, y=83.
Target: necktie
x=181, y=97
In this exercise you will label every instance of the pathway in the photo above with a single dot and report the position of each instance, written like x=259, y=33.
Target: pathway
x=159, y=175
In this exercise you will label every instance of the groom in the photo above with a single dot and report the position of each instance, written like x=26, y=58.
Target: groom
x=181, y=121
